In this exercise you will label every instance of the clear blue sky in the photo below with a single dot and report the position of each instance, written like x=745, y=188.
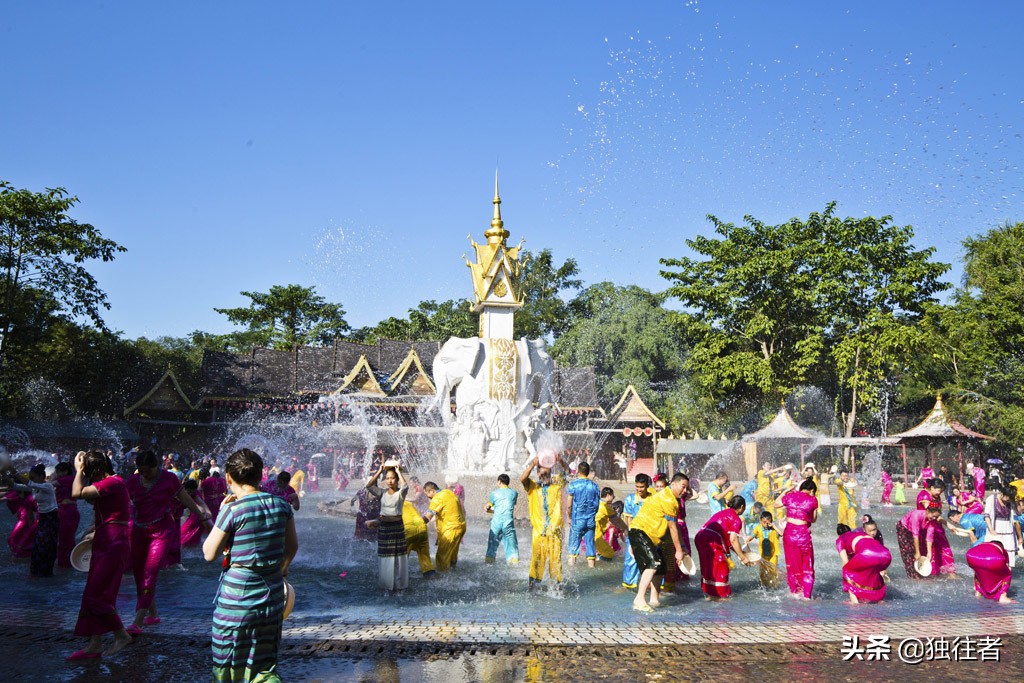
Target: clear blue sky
x=352, y=146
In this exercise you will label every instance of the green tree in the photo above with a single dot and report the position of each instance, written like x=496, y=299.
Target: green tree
x=542, y=284
x=429, y=321
x=830, y=300
x=42, y=248
x=289, y=316
x=973, y=348
x=628, y=337
x=750, y=307
x=874, y=287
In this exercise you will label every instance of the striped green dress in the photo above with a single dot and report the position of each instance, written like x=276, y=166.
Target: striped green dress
x=250, y=599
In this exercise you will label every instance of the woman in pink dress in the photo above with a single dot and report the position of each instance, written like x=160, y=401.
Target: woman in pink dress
x=716, y=538
x=23, y=507
x=67, y=513
x=863, y=560
x=110, y=550
x=214, y=488
x=192, y=527
x=153, y=490
x=917, y=535
x=991, y=565
x=886, y=489
x=931, y=489
x=801, y=511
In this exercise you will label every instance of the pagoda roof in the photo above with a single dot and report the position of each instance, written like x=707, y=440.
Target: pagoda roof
x=938, y=426
x=166, y=394
x=361, y=380
x=631, y=408
x=411, y=372
x=782, y=426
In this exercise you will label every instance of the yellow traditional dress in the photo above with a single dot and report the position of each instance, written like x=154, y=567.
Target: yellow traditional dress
x=847, y=505
x=768, y=545
x=451, y=527
x=764, y=492
x=601, y=522
x=545, y=505
x=298, y=481
x=416, y=538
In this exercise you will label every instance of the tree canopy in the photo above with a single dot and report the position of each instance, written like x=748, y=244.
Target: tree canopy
x=826, y=300
x=288, y=316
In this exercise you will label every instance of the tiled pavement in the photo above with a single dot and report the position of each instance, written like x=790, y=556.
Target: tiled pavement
x=478, y=632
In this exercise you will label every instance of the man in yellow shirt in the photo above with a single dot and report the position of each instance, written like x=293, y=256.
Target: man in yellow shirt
x=544, y=499
x=657, y=515
x=451, y=524
x=416, y=538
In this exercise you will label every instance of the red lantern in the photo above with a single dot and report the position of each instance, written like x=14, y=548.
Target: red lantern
x=637, y=431
x=648, y=431
x=626, y=431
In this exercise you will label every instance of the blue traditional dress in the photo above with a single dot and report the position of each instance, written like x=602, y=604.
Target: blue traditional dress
x=503, y=528
x=250, y=600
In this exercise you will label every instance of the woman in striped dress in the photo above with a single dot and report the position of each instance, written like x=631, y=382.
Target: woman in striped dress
x=256, y=531
x=391, y=549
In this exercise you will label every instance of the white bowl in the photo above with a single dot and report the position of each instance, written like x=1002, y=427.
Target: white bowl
x=547, y=458
x=81, y=555
x=688, y=566
x=753, y=556
x=923, y=565
x=392, y=463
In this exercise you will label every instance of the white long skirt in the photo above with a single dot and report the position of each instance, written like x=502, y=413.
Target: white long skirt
x=394, y=573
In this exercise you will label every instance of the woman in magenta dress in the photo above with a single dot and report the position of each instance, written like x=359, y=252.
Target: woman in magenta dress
x=917, y=534
x=991, y=565
x=863, y=560
x=719, y=535
x=930, y=490
x=153, y=490
x=23, y=507
x=214, y=488
x=110, y=550
x=886, y=489
x=312, y=478
x=192, y=527
x=67, y=513
x=801, y=511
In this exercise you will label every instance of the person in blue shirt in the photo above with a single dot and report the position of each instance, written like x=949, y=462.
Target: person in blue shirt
x=630, y=508
x=584, y=499
x=977, y=525
x=718, y=492
x=502, y=503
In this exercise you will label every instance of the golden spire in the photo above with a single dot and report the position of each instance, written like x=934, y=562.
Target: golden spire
x=497, y=234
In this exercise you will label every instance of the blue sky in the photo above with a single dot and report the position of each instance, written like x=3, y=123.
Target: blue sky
x=352, y=146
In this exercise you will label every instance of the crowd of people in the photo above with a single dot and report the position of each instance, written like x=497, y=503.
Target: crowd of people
x=768, y=519
x=246, y=513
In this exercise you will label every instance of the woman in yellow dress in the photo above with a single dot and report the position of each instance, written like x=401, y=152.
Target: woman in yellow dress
x=847, y=499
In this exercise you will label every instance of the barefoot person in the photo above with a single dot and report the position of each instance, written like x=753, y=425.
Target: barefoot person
x=391, y=549
x=152, y=490
x=863, y=560
x=657, y=516
x=630, y=508
x=110, y=547
x=720, y=535
x=257, y=532
x=801, y=511
x=991, y=566
x=501, y=503
x=584, y=501
x=545, y=505
x=451, y=524
x=417, y=540
x=915, y=534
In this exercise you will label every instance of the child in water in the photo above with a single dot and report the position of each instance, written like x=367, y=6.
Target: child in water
x=768, y=544
x=898, y=495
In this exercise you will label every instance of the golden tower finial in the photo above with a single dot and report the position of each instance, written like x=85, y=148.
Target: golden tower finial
x=497, y=234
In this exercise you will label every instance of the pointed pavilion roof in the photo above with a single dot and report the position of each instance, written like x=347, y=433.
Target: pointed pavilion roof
x=166, y=394
x=361, y=379
x=782, y=426
x=631, y=408
x=496, y=264
x=411, y=371
x=938, y=426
